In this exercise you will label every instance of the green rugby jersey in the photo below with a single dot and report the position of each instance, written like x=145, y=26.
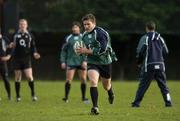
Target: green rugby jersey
x=68, y=54
x=99, y=41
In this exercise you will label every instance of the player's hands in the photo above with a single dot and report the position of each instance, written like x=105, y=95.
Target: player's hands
x=84, y=65
x=5, y=58
x=11, y=45
x=63, y=65
x=83, y=50
x=37, y=55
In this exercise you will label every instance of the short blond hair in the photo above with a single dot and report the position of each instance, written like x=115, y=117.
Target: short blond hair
x=21, y=20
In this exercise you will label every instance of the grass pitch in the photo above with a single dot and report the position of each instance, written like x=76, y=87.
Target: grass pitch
x=50, y=106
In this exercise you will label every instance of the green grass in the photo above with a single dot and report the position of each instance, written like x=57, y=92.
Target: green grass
x=51, y=108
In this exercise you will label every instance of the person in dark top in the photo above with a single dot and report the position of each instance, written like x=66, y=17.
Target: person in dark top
x=24, y=49
x=151, y=53
x=5, y=49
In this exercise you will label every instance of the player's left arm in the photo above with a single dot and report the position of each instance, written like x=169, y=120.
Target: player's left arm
x=63, y=55
x=3, y=56
x=8, y=45
x=7, y=41
x=165, y=50
x=34, y=49
x=102, y=38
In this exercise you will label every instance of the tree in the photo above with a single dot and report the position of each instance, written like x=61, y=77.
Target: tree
x=116, y=15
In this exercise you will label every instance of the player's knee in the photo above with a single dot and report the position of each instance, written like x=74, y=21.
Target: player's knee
x=93, y=83
x=5, y=77
x=29, y=78
x=106, y=86
x=68, y=78
x=83, y=80
x=18, y=78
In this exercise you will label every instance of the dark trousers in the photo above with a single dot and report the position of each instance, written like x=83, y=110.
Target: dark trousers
x=145, y=81
x=4, y=75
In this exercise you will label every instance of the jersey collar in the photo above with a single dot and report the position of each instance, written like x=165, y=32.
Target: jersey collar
x=26, y=32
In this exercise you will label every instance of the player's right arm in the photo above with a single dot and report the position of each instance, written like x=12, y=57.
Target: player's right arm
x=141, y=50
x=3, y=56
x=63, y=54
x=36, y=55
x=12, y=45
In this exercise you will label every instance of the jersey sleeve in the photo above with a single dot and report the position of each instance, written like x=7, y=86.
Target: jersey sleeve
x=12, y=52
x=33, y=44
x=102, y=38
x=165, y=50
x=141, y=49
x=63, y=54
x=2, y=52
x=7, y=42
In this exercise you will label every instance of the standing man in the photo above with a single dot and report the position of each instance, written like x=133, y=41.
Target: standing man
x=24, y=48
x=4, y=46
x=99, y=58
x=151, y=52
x=72, y=62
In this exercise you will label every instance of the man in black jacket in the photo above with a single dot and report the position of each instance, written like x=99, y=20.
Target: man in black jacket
x=4, y=47
x=151, y=52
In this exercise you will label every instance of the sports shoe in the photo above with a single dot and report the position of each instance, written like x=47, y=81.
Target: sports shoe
x=65, y=100
x=135, y=105
x=94, y=111
x=168, y=105
x=34, y=98
x=111, y=99
x=18, y=99
x=86, y=100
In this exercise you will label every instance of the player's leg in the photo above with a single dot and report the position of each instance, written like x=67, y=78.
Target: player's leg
x=83, y=77
x=18, y=76
x=105, y=73
x=7, y=85
x=69, y=77
x=93, y=76
x=161, y=80
x=29, y=75
x=144, y=84
x=4, y=75
x=108, y=87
